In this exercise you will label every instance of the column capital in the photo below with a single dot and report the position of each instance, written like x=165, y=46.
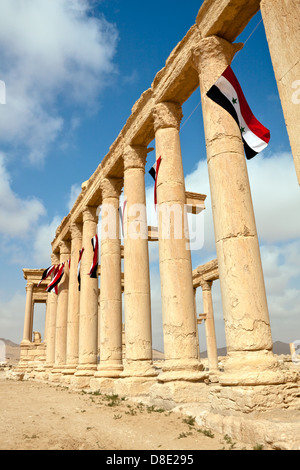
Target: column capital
x=76, y=230
x=111, y=187
x=29, y=286
x=65, y=247
x=135, y=157
x=167, y=114
x=210, y=55
x=206, y=285
x=90, y=213
x=55, y=258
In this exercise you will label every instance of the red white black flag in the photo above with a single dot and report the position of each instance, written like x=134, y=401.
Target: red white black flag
x=94, y=268
x=78, y=267
x=228, y=93
x=154, y=173
x=57, y=277
x=46, y=274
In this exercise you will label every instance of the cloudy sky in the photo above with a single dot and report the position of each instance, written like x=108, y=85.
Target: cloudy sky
x=73, y=69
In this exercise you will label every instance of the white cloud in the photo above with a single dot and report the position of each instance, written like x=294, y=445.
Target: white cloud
x=74, y=193
x=51, y=52
x=42, y=243
x=17, y=216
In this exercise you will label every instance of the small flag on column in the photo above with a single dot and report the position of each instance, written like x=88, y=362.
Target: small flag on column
x=94, y=268
x=122, y=214
x=78, y=268
x=58, y=274
x=227, y=92
x=46, y=274
x=154, y=173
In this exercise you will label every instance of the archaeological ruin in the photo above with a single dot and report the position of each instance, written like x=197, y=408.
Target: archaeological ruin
x=87, y=344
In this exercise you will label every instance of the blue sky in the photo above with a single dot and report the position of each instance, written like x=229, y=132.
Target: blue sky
x=73, y=69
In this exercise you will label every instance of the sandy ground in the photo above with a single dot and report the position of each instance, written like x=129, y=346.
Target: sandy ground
x=38, y=416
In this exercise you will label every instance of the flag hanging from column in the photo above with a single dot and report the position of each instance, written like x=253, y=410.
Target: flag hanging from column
x=46, y=274
x=154, y=173
x=94, y=268
x=57, y=277
x=228, y=94
x=122, y=215
x=78, y=267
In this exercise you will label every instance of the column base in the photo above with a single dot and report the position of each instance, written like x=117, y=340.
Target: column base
x=85, y=370
x=139, y=369
x=110, y=370
x=251, y=368
x=186, y=370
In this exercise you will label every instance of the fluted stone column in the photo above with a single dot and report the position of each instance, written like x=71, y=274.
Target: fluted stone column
x=27, y=333
x=281, y=19
x=247, y=324
x=178, y=310
x=210, y=331
x=62, y=310
x=52, y=310
x=137, y=300
x=88, y=317
x=73, y=301
x=110, y=282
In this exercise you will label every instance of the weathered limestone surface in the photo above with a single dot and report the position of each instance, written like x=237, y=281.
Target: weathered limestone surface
x=88, y=319
x=253, y=380
x=282, y=20
x=110, y=291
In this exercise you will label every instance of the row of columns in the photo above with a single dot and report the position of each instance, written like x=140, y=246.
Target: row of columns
x=247, y=324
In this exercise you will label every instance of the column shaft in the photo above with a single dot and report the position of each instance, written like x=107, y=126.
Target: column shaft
x=27, y=333
x=178, y=309
x=62, y=311
x=281, y=19
x=73, y=301
x=88, y=319
x=247, y=324
x=110, y=283
x=52, y=310
x=137, y=300
x=210, y=332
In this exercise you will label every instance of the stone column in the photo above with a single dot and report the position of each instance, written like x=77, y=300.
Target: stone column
x=247, y=324
x=210, y=332
x=62, y=310
x=52, y=309
x=281, y=19
x=27, y=333
x=73, y=301
x=110, y=283
x=137, y=300
x=178, y=310
x=88, y=318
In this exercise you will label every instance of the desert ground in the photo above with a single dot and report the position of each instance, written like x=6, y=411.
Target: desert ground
x=38, y=416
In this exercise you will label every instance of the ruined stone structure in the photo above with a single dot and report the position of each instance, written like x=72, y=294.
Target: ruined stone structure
x=80, y=324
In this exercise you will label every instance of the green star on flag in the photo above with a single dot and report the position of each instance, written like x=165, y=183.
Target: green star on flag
x=242, y=130
x=234, y=100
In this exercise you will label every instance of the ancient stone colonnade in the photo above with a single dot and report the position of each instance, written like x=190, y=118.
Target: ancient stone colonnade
x=77, y=322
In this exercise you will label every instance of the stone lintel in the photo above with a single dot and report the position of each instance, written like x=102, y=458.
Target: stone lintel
x=206, y=273
x=226, y=18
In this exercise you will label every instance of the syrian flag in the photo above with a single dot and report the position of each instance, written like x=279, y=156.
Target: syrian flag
x=122, y=213
x=58, y=274
x=228, y=93
x=46, y=274
x=78, y=268
x=94, y=268
x=154, y=173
